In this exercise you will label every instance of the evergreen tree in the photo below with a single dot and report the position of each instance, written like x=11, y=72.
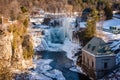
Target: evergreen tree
x=28, y=51
x=108, y=11
x=91, y=24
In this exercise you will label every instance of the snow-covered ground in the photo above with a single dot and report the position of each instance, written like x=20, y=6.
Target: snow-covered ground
x=105, y=24
x=71, y=48
x=107, y=36
x=112, y=22
x=37, y=20
x=116, y=15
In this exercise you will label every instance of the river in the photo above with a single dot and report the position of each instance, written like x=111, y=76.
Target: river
x=62, y=63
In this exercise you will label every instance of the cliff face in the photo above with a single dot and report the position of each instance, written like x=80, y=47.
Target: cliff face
x=6, y=50
x=15, y=43
x=5, y=45
x=15, y=55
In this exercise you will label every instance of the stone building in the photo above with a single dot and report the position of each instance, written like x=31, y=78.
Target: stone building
x=97, y=58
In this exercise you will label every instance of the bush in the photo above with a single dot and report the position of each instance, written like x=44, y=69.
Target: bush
x=26, y=22
x=27, y=47
x=24, y=9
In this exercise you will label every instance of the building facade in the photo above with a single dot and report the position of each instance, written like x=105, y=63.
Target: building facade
x=97, y=58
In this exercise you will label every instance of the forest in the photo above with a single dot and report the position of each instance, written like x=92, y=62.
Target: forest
x=12, y=7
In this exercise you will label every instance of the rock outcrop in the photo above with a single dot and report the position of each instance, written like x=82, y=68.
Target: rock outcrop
x=5, y=45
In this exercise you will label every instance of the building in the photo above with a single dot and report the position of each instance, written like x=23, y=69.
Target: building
x=97, y=58
x=85, y=14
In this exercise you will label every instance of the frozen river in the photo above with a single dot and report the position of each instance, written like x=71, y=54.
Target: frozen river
x=63, y=64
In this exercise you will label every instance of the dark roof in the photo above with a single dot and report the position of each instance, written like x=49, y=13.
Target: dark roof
x=87, y=10
x=85, y=14
x=97, y=46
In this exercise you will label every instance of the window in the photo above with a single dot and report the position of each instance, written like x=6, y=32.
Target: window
x=93, y=48
x=105, y=65
x=88, y=62
x=89, y=46
x=83, y=58
x=92, y=64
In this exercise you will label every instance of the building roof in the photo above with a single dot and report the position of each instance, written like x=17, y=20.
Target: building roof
x=97, y=46
x=86, y=10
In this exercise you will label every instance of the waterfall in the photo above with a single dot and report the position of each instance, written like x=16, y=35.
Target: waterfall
x=44, y=44
x=67, y=28
x=56, y=35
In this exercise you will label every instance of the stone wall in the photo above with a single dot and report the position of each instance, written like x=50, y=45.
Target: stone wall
x=88, y=64
x=93, y=66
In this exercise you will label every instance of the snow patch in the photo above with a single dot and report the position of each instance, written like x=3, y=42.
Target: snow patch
x=76, y=69
x=36, y=76
x=71, y=48
x=55, y=74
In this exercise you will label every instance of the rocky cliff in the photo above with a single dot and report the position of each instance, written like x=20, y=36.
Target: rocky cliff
x=16, y=49
x=5, y=45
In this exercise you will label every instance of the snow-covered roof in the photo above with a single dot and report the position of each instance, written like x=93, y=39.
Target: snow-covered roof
x=97, y=46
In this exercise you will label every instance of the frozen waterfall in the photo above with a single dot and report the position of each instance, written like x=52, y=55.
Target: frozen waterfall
x=44, y=43
x=56, y=34
x=67, y=28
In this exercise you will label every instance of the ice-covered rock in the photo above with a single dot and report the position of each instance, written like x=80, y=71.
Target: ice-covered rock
x=55, y=74
x=36, y=76
x=76, y=69
x=42, y=65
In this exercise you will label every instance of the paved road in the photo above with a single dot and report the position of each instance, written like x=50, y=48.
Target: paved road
x=62, y=63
